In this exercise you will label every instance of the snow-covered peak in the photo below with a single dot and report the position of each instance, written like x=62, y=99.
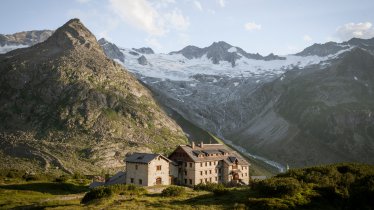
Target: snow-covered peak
x=179, y=68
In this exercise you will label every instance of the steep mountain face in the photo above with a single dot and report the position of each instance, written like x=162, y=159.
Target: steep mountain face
x=246, y=103
x=333, y=47
x=22, y=39
x=111, y=50
x=317, y=115
x=64, y=105
x=222, y=51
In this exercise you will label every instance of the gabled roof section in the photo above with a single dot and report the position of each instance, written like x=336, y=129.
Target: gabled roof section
x=144, y=157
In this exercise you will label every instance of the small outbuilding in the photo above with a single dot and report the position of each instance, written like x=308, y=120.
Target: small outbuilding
x=148, y=169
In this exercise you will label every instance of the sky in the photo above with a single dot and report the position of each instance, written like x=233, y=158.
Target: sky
x=264, y=26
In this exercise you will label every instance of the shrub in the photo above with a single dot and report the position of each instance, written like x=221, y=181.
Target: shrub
x=278, y=187
x=61, y=179
x=97, y=193
x=173, y=191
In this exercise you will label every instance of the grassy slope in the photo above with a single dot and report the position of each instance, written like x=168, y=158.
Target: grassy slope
x=324, y=187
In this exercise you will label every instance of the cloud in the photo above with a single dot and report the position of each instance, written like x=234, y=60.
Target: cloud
x=145, y=15
x=250, y=26
x=359, y=30
x=222, y=3
x=198, y=5
x=307, y=38
x=176, y=20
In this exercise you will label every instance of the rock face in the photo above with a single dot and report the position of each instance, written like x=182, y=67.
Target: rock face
x=330, y=48
x=22, y=39
x=25, y=38
x=142, y=60
x=65, y=105
x=310, y=110
x=144, y=50
x=318, y=115
x=222, y=51
x=111, y=50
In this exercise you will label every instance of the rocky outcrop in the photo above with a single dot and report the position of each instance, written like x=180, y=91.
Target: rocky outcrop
x=80, y=110
x=28, y=38
x=144, y=50
x=222, y=51
x=111, y=50
x=142, y=60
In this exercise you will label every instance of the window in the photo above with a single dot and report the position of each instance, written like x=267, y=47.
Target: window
x=216, y=170
x=201, y=180
x=140, y=181
x=191, y=181
x=242, y=175
x=210, y=171
x=201, y=164
x=185, y=181
x=210, y=163
x=245, y=174
x=206, y=180
x=158, y=168
x=206, y=172
x=201, y=172
x=219, y=177
x=190, y=165
x=219, y=170
x=210, y=179
x=136, y=167
x=132, y=180
x=216, y=178
x=185, y=164
x=185, y=172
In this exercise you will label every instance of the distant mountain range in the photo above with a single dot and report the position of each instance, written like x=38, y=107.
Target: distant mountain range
x=313, y=107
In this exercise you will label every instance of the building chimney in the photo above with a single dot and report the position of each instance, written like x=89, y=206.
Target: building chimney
x=202, y=145
x=193, y=145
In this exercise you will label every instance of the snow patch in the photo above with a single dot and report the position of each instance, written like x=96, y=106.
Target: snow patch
x=355, y=78
x=236, y=84
x=232, y=49
x=7, y=48
x=193, y=85
x=165, y=66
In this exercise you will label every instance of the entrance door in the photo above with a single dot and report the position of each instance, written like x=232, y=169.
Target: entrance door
x=158, y=181
x=236, y=176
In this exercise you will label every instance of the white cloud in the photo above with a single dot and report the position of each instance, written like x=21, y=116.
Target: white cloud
x=307, y=38
x=139, y=14
x=222, y=3
x=161, y=3
x=252, y=26
x=198, y=5
x=145, y=15
x=211, y=11
x=177, y=20
x=359, y=30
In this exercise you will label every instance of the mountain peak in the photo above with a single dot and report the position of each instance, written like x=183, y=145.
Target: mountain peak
x=72, y=34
